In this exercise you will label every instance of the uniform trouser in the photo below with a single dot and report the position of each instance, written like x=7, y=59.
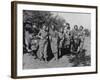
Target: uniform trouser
x=60, y=46
x=42, y=52
x=54, y=47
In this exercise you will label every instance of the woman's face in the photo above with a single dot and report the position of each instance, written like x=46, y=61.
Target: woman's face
x=34, y=26
x=28, y=26
x=61, y=30
x=81, y=28
x=52, y=27
x=75, y=40
x=76, y=27
x=44, y=27
x=67, y=25
x=65, y=29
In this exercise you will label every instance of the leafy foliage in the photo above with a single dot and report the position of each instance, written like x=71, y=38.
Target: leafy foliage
x=42, y=17
x=87, y=32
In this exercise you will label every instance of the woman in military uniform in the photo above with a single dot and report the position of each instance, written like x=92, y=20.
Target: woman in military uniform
x=60, y=41
x=66, y=41
x=53, y=41
x=42, y=53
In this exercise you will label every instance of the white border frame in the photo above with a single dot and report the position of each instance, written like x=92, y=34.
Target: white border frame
x=23, y=72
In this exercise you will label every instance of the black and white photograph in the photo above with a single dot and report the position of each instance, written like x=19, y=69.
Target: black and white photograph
x=56, y=39
x=53, y=39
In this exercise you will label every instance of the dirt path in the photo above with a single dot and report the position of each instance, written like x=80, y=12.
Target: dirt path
x=31, y=63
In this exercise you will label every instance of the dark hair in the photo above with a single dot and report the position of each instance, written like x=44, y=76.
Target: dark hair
x=29, y=29
x=68, y=24
x=24, y=25
x=68, y=27
x=81, y=26
x=28, y=22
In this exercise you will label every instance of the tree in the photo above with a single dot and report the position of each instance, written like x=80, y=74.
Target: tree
x=42, y=17
x=37, y=17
